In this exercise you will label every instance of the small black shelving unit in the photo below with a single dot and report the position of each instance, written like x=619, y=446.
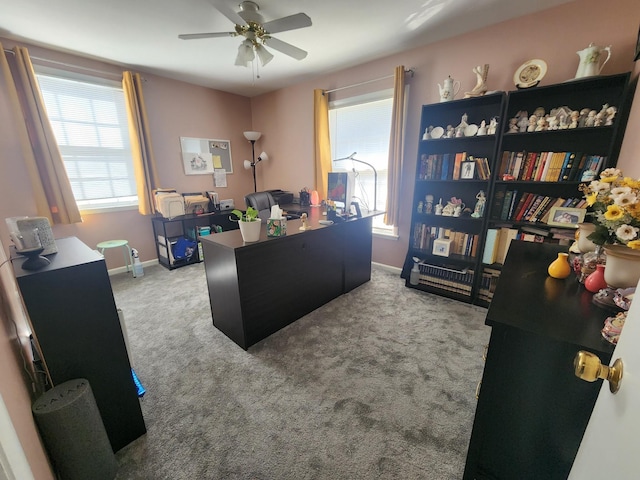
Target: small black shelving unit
x=167, y=231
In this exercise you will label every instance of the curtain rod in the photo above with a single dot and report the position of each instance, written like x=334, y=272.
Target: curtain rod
x=68, y=65
x=410, y=71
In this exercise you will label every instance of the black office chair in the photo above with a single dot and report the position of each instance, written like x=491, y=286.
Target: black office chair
x=263, y=201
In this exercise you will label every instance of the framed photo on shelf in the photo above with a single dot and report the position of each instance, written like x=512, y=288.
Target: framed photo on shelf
x=468, y=170
x=566, y=217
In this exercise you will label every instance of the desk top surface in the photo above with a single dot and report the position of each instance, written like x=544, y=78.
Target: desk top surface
x=233, y=238
x=529, y=299
x=71, y=252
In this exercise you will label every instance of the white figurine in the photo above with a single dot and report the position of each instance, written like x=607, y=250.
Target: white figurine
x=305, y=225
x=611, y=113
x=493, y=126
x=575, y=117
x=481, y=86
x=478, y=211
x=482, y=130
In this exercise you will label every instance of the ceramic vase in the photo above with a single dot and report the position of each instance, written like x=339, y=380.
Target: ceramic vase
x=560, y=267
x=623, y=266
x=584, y=244
x=595, y=281
x=250, y=231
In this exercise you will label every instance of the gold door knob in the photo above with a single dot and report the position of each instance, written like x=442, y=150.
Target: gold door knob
x=588, y=367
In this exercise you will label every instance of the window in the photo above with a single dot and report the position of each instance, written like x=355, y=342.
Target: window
x=89, y=119
x=363, y=125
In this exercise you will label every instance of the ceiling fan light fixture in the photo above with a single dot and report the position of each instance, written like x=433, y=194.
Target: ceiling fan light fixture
x=264, y=55
x=245, y=54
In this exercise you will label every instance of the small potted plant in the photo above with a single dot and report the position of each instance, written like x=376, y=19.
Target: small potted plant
x=249, y=223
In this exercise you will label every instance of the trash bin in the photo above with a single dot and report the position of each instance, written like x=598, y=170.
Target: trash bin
x=73, y=433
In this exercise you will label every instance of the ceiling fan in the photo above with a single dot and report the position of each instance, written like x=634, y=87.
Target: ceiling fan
x=251, y=25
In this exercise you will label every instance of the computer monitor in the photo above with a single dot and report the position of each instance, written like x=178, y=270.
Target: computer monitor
x=340, y=188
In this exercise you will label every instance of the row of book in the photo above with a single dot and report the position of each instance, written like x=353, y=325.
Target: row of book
x=446, y=278
x=462, y=243
x=488, y=284
x=453, y=166
x=529, y=207
x=498, y=240
x=550, y=166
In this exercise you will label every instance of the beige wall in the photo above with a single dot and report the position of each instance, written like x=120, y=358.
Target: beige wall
x=554, y=35
x=285, y=118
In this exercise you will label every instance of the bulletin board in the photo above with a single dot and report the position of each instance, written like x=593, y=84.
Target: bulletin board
x=203, y=156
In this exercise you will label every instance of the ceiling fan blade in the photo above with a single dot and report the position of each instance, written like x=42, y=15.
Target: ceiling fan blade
x=285, y=48
x=292, y=22
x=195, y=36
x=228, y=12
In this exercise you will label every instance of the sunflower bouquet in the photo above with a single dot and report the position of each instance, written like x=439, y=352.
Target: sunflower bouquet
x=614, y=208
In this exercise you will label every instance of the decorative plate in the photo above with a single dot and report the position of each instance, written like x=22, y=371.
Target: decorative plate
x=437, y=132
x=471, y=130
x=530, y=73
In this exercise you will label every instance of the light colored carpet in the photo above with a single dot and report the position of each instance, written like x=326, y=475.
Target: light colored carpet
x=379, y=383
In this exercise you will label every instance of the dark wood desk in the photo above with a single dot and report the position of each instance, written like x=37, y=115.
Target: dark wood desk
x=255, y=289
x=75, y=322
x=532, y=411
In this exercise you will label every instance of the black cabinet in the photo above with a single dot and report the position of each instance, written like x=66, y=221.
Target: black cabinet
x=448, y=245
x=75, y=324
x=255, y=289
x=167, y=232
x=532, y=410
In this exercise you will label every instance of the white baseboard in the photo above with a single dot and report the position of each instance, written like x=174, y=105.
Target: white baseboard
x=388, y=268
x=123, y=269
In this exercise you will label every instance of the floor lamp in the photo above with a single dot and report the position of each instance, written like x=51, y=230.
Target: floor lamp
x=253, y=137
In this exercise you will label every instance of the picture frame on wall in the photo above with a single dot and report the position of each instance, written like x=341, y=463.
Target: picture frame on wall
x=203, y=156
x=566, y=217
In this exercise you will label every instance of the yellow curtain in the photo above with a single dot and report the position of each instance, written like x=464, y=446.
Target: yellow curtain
x=322, y=141
x=41, y=156
x=396, y=149
x=144, y=163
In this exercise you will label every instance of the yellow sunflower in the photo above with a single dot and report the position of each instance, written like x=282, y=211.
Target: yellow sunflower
x=613, y=213
x=635, y=244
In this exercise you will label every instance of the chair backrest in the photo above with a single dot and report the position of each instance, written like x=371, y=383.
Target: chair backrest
x=261, y=201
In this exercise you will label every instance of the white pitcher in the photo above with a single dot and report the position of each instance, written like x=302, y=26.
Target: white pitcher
x=590, y=60
x=449, y=90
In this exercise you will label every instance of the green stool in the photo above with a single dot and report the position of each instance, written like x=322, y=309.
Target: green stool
x=102, y=246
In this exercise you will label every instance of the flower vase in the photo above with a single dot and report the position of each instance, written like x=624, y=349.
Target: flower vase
x=623, y=266
x=584, y=244
x=560, y=267
x=595, y=281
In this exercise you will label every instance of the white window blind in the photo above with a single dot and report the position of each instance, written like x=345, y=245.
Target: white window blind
x=89, y=121
x=363, y=125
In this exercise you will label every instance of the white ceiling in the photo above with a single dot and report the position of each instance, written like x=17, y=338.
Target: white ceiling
x=143, y=34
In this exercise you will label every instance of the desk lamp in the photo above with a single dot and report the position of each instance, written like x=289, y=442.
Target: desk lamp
x=375, y=176
x=252, y=137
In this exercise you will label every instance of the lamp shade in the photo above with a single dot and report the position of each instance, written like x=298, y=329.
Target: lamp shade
x=252, y=136
x=245, y=54
x=264, y=55
x=247, y=164
x=263, y=157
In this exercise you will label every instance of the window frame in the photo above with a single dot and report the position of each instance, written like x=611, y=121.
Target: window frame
x=88, y=206
x=379, y=229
